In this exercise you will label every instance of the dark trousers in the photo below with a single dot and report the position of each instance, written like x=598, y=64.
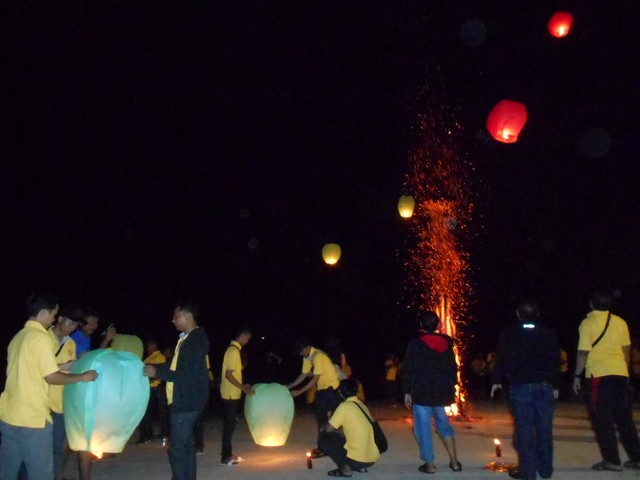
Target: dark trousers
x=610, y=407
x=532, y=406
x=229, y=416
x=332, y=443
x=156, y=409
x=182, y=451
x=327, y=400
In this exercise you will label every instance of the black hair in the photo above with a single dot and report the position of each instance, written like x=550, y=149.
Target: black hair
x=348, y=388
x=188, y=307
x=528, y=311
x=36, y=302
x=428, y=321
x=601, y=300
x=72, y=313
x=301, y=343
x=245, y=329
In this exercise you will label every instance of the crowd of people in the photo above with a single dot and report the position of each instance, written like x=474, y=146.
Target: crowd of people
x=528, y=359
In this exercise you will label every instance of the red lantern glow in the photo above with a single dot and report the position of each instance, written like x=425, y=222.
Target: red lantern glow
x=506, y=120
x=560, y=24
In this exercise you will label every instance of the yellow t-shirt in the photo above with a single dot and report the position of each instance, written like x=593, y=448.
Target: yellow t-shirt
x=232, y=361
x=606, y=358
x=66, y=354
x=156, y=358
x=25, y=400
x=321, y=364
x=174, y=364
x=358, y=432
x=392, y=370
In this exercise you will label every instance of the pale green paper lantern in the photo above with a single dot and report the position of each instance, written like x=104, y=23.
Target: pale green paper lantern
x=269, y=414
x=100, y=416
x=128, y=343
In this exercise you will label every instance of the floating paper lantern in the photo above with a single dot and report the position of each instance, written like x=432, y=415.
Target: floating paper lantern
x=331, y=253
x=560, y=24
x=506, y=120
x=100, y=416
x=269, y=414
x=406, y=204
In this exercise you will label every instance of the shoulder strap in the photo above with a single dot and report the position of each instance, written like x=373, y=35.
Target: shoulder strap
x=363, y=412
x=60, y=349
x=603, y=331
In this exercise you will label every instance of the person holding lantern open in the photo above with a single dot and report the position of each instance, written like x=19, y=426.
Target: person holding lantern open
x=187, y=389
x=319, y=369
x=528, y=355
x=356, y=450
x=25, y=415
x=231, y=390
x=429, y=380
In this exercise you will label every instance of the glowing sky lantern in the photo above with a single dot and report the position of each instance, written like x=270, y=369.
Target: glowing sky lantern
x=406, y=204
x=560, y=24
x=269, y=414
x=100, y=416
x=331, y=253
x=506, y=120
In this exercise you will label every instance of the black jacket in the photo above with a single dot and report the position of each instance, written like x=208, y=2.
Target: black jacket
x=190, y=378
x=528, y=355
x=429, y=370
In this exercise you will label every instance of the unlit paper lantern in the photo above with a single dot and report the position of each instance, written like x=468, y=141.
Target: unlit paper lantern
x=100, y=416
x=560, y=24
x=506, y=120
x=331, y=253
x=128, y=343
x=406, y=204
x=269, y=414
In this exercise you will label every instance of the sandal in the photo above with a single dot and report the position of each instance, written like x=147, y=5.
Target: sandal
x=317, y=453
x=632, y=465
x=337, y=473
x=456, y=467
x=427, y=468
x=603, y=465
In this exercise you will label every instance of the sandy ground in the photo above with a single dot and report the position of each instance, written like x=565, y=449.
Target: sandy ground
x=575, y=450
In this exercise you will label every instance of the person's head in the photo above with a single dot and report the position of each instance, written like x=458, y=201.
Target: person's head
x=151, y=346
x=428, y=321
x=42, y=308
x=348, y=388
x=528, y=311
x=185, y=317
x=69, y=319
x=302, y=346
x=243, y=335
x=92, y=319
x=601, y=300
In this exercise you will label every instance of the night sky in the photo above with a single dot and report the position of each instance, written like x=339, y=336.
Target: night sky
x=154, y=153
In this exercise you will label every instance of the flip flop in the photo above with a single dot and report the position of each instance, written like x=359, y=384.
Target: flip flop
x=632, y=465
x=337, y=473
x=602, y=466
x=456, y=467
x=427, y=468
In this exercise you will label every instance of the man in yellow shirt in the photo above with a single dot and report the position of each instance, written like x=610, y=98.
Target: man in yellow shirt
x=231, y=389
x=319, y=369
x=157, y=406
x=25, y=418
x=65, y=351
x=356, y=450
x=604, y=349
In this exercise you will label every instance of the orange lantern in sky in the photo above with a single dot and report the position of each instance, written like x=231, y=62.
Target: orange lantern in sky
x=331, y=253
x=560, y=24
x=506, y=120
x=406, y=204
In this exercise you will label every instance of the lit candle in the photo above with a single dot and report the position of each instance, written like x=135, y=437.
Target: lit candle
x=498, y=451
x=309, y=463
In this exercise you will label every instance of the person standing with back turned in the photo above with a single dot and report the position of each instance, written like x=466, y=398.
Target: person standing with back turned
x=604, y=349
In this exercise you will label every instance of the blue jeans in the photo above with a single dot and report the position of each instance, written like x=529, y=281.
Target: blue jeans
x=182, y=450
x=422, y=415
x=532, y=406
x=33, y=446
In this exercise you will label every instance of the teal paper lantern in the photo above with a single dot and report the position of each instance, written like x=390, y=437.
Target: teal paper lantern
x=269, y=414
x=100, y=416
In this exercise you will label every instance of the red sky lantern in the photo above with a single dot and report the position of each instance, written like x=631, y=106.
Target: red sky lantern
x=560, y=24
x=506, y=120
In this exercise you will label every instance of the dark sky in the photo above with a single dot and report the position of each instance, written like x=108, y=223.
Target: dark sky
x=152, y=153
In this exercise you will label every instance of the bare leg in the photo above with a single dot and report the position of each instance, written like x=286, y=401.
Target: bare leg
x=84, y=465
x=450, y=446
